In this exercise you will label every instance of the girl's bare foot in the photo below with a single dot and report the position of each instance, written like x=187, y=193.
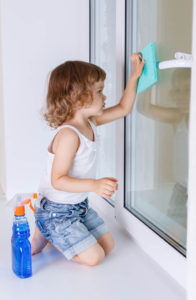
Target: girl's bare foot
x=38, y=242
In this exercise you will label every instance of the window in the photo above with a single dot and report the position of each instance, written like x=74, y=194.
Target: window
x=156, y=141
x=104, y=52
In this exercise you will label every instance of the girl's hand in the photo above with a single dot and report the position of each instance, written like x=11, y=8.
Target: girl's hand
x=138, y=64
x=105, y=187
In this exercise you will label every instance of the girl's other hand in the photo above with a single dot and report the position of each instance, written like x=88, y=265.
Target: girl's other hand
x=105, y=187
x=138, y=64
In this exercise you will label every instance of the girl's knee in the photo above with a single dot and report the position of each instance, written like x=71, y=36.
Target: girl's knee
x=110, y=246
x=92, y=257
x=97, y=257
x=107, y=242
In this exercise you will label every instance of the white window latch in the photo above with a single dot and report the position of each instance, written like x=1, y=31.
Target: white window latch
x=182, y=60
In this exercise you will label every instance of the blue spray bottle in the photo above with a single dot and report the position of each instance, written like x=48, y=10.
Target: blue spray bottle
x=21, y=246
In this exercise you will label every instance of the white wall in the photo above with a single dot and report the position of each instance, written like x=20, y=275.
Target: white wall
x=2, y=141
x=36, y=36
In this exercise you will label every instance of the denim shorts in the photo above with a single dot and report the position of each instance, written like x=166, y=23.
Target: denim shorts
x=72, y=228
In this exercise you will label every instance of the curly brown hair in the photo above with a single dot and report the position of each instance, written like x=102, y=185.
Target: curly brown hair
x=69, y=89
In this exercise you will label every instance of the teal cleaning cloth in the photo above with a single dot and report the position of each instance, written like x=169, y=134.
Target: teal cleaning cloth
x=150, y=74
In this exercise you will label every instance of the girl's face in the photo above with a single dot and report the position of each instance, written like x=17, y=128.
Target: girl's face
x=97, y=106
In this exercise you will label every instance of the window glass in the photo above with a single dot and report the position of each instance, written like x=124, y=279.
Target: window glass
x=156, y=174
x=103, y=54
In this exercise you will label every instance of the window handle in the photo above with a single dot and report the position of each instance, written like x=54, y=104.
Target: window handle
x=182, y=60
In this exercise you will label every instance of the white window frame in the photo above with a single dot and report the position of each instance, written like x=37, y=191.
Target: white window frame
x=158, y=249
x=191, y=231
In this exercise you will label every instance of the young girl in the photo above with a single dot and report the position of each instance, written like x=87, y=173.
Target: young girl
x=75, y=106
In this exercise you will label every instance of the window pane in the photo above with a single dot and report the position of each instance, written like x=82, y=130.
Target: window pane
x=103, y=54
x=157, y=131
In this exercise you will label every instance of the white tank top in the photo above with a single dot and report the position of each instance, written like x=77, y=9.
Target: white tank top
x=83, y=166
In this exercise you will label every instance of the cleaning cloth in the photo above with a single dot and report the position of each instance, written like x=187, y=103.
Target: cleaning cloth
x=150, y=74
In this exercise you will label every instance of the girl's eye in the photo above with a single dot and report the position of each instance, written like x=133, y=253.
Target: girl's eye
x=100, y=91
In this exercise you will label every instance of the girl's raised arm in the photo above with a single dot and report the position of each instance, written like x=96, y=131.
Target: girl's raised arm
x=125, y=106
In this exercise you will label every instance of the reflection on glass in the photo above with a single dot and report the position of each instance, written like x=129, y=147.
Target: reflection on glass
x=157, y=132
x=176, y=113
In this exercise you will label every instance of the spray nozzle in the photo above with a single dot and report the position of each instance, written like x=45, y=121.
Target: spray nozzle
x=20, y=200
x=28, y=201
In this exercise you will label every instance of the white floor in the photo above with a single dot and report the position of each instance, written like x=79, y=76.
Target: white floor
x=126, y=273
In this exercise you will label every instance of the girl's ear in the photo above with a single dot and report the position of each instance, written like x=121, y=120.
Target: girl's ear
x=87, y=98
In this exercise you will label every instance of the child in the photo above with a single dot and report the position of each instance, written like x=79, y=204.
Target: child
x=75, y=106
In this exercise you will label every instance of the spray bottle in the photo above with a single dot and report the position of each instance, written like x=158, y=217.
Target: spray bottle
x=21, y=246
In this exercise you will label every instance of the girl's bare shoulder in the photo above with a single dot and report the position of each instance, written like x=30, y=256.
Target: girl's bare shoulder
x=65, y=136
